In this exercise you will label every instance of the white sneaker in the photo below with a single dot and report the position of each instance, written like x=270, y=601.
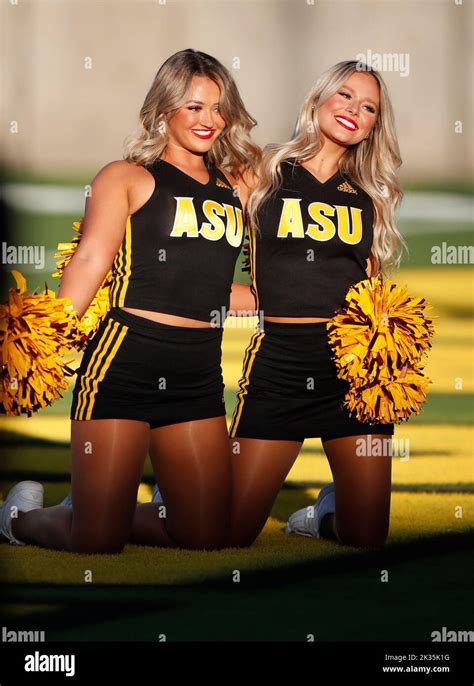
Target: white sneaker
x=306, y=522
x=156, y=495
x=25, y=496
x=67, y=501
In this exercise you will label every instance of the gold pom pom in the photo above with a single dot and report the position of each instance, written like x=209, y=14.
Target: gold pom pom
x=100, y=304
x=392, y=400
x=35, y=331
x=380, y=330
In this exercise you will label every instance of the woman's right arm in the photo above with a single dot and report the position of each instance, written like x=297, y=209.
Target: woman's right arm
x=242, y=300
x=103, y=229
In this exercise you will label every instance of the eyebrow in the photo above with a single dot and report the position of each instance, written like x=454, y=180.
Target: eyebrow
x=199, y=102
x=368, y=99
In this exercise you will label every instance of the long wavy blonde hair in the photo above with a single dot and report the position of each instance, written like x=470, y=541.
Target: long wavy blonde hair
x=233, y=150
x=372, y=164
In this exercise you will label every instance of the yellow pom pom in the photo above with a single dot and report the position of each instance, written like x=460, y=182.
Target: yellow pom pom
x=390, y=401
x=379, y=329
x=100, y=304
x=35, y=332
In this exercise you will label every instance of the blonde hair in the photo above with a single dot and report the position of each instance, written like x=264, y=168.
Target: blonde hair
x=233, y=150
x=372, y=164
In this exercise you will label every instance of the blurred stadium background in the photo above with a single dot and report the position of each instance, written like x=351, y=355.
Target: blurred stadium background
x=74, y=75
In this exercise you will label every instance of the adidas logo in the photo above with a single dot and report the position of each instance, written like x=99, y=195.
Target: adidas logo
x=346, y=187
x=221, y=184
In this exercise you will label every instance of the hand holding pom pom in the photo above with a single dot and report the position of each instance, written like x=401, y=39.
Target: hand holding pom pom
x=35, y=331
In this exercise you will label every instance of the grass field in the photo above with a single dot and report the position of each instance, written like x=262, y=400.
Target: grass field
x=289, y=586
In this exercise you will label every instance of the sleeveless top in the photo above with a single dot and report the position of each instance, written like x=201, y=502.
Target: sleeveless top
x=179, y=250
x=312, y=244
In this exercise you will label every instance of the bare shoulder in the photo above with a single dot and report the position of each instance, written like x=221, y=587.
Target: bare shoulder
x=124, y=178
x=121, y=172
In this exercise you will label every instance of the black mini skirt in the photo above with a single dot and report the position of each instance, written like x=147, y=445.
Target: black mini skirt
x=136, y=368
x=290, y=390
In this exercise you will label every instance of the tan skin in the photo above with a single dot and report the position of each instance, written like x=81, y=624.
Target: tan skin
x=362, y=484
x=105, y=513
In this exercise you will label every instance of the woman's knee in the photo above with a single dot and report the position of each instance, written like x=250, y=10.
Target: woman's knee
x=96, y=543
x=244, y=533
x=212, y=539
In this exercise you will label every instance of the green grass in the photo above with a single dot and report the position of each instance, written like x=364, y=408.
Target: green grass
x=434, y=514
x=327, y=600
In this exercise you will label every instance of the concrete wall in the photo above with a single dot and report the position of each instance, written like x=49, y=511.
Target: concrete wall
x=72, y=119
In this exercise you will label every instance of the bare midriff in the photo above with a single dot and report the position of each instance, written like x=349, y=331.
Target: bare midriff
x=174, y=320
x=171, y=319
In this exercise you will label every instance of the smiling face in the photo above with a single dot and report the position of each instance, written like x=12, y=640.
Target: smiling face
x=348, y=116
x=197, y=123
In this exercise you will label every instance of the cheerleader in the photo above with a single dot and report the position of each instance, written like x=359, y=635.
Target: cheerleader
x=322, y=219
x=169, y=222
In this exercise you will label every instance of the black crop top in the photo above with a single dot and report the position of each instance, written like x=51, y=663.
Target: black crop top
x=312, y=246
x=179, y=249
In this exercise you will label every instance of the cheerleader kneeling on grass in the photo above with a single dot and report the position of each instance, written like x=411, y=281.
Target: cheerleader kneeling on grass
x=168, y=222
x=337, y=357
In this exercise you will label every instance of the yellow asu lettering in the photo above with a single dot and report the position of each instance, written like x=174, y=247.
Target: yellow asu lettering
x=186, y=223
x=235, y=225
x=349, y=231
x=348, y=226
x=185, y=220
x=324, y=230
x=214, y=229
x=291, y=220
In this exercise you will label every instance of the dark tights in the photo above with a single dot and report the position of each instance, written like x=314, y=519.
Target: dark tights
x=209, y=488
x=362, y=488
x=192, y=465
